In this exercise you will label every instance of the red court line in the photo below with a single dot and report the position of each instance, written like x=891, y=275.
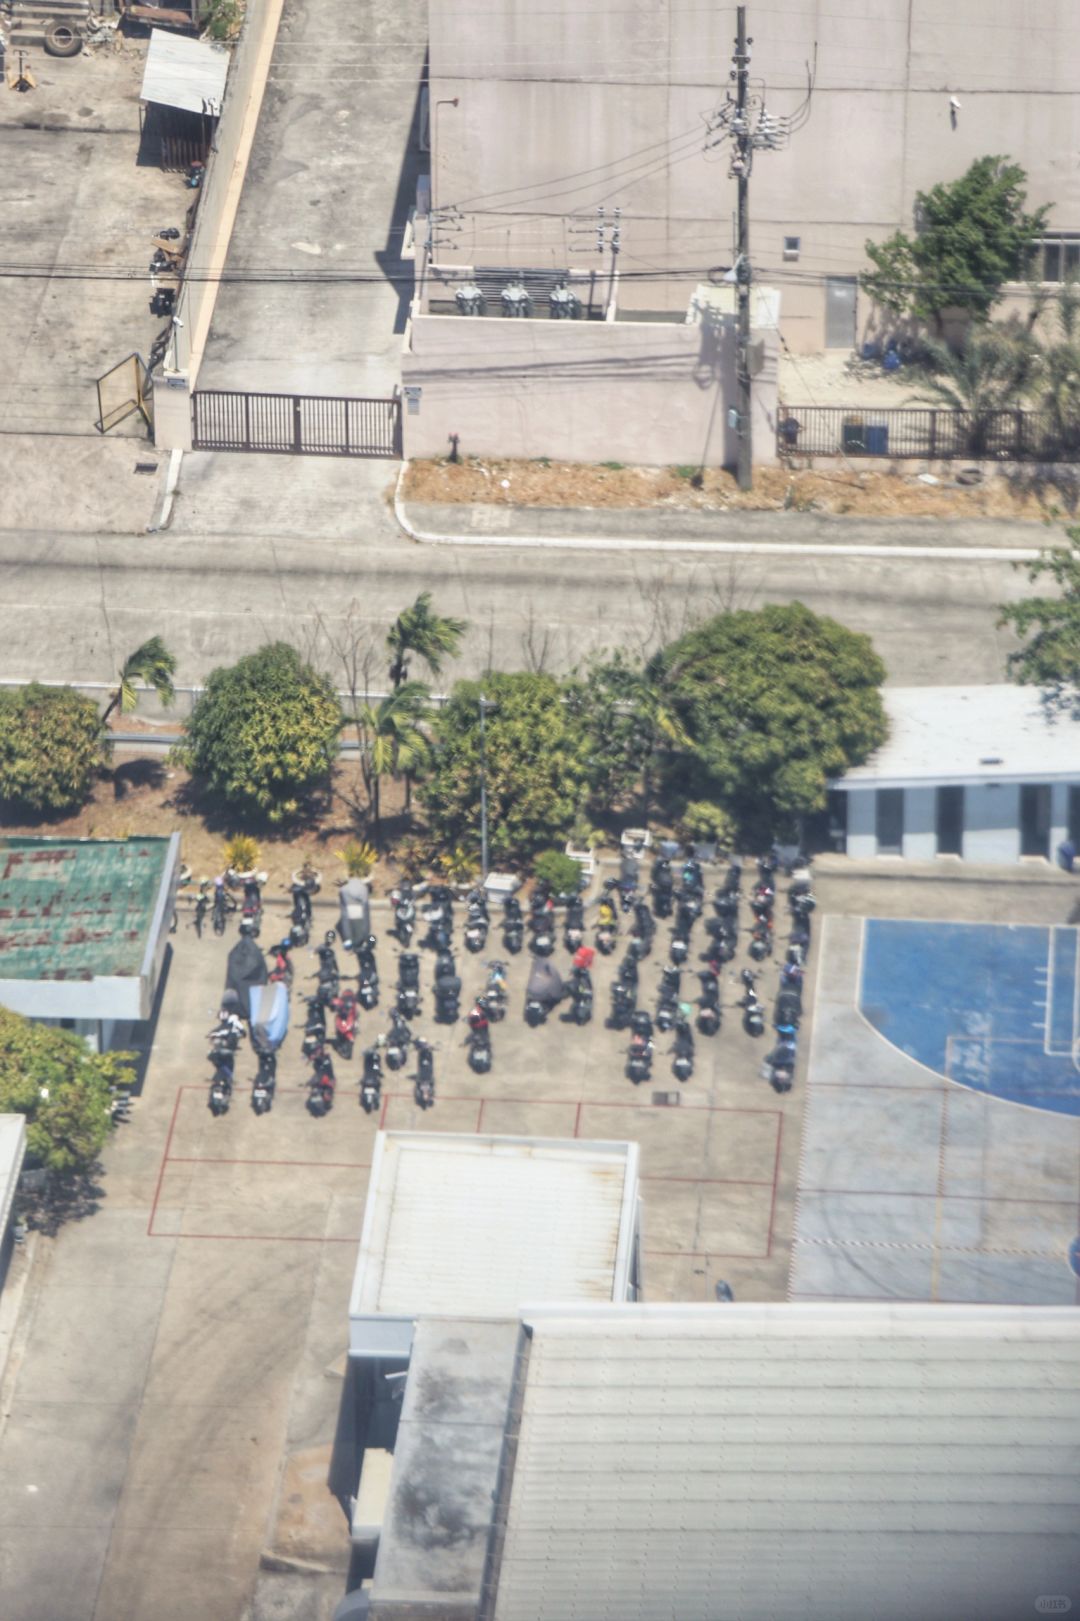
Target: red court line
x=164, y=1163
x=775, y=1182
x=262, y=1238
x=479, y=1115
x=901, y=1193
x=326, y=1164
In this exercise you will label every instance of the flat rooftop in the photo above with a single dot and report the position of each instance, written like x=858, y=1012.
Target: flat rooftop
x=970, y=735
x=78, y=909
x=480, y=1225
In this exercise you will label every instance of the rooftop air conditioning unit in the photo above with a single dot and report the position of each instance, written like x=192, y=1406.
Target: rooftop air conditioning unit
x=564, y=305
x=515, y=300
x=469, y=299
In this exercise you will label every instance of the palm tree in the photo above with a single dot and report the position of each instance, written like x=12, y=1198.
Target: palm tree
x=430, y=636
x=660, y=730
x=152, y=663
x=391, y=738
x=992, y=370
x=1060, y=391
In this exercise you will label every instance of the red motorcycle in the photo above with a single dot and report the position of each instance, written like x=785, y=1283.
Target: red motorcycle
x=282, y=971
x=346, y=1012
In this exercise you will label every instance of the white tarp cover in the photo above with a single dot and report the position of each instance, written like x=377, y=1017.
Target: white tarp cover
x=185, y=73
x=12, y=1150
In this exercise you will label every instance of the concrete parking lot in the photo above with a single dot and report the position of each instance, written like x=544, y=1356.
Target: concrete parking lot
x=179, y=1373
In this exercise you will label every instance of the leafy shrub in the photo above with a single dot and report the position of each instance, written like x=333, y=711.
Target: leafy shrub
x=52, y=748
x=559, y=871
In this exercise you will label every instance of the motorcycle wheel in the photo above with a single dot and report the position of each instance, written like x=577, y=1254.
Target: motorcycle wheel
x=582, y=1015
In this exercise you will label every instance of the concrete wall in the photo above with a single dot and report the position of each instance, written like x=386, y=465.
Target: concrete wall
x=214, y=222
x=581, y=390
x=920, y=824
x=529, y=152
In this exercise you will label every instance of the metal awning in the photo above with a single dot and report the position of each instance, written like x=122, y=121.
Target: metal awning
x=185, y=73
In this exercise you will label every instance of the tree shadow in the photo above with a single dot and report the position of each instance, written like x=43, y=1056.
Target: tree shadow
x=1056, y=489
x=48, y=1200
x=135, y=774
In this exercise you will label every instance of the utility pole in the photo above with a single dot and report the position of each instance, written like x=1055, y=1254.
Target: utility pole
x=740, y=163
x=744, y=120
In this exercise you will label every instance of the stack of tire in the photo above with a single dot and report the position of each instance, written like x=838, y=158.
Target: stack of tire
x=59, y=26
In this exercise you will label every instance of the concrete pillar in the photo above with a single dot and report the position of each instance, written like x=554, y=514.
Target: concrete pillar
x=920, y=824
x=172, y=412
x=861, y=823
x=992, y=822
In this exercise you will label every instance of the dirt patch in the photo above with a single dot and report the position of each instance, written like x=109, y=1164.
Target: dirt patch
x=144, y=794
x=855, y=492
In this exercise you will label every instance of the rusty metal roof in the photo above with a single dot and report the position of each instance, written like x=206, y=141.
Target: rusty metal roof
x=77, y=909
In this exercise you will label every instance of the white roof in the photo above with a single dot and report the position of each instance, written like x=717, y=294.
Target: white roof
x=824, y=1462
x=475, y=1226
x=970, y=735
x=185, y=73
x=12, y=1150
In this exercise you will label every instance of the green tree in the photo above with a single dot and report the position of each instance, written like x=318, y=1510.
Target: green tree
x=774, y=701
x=1059, y=372
x=52, y=748
x=152, y=663
x=419, y=631
x=537, y=765
x=559, y=871
x=630, y=726
x=992, y=370
x=1049, y=626
x=973, y=235
x=392, y=738
x=264, y=732
x=61, y=1087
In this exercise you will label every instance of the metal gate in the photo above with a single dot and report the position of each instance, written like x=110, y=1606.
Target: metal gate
x=295, y=424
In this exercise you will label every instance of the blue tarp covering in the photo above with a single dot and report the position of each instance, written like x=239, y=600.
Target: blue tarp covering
x=269, y=1016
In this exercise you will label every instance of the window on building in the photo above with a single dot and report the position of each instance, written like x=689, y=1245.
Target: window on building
x=1035, y=819
x=950, y=820
x=791, y=247
x=889, y=821
x=1056, y=258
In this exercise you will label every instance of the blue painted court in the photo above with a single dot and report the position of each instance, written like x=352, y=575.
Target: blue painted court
x=995, y=1007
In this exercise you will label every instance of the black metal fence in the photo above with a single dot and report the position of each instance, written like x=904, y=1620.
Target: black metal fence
x=295, y=424
x=927, y=433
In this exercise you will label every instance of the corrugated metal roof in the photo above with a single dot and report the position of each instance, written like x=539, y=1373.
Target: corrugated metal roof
x=826, y=1463
x=970, y=734
x=185, y=73
x=481, y=1225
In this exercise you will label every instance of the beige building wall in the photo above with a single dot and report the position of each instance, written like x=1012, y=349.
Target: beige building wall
x=566, y=107
x=584, y=391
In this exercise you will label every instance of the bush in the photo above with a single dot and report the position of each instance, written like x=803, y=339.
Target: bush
x=560, y=872
x=703, y=822
x=61, y=1087
x=264, y=733
x=241, y=853
x=52, y=748
x=359, y=858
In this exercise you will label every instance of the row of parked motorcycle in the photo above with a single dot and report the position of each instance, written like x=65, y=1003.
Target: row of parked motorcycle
x=333, y=1010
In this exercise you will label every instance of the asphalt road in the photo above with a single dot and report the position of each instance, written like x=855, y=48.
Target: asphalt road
x=72, y=606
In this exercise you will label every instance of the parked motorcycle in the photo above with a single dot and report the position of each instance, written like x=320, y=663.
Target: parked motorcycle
x=668, y=1004
x=495, y=992
x=629, y=873
x=662, y=885
x=640, y=1052
x=262, y=1089
x=753, y=1012
x=682, y=1065
x=513, y=925
x=404, y=907
x=779, y=1066
x=709, y=1014
x=623, y=1003
x=408, y=986
x=424, y=1089
x=476, y=923
x=321, y=1086
x=479, y=1045
x=574, y=924
x=581, y=996
x=396, y=1042
x=761, y=939
x=300, y=916
x=371, y=1081
x=607, y=927
x=224, y=903
x=368, y=973
x=282, y=970
x=346, y=1015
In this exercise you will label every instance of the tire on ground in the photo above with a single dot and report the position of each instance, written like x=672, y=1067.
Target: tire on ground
x=61, y=39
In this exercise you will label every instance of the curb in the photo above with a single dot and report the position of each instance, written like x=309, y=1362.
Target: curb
x=744, y=548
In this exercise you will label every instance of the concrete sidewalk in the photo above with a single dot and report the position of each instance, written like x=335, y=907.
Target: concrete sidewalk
x=602, y=528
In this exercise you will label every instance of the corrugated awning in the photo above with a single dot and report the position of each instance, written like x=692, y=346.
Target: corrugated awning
x=185, y=73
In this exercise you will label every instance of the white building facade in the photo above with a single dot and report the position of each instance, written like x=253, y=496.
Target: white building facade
x=987, y=774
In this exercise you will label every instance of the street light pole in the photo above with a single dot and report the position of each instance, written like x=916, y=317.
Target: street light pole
x=483, y=793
